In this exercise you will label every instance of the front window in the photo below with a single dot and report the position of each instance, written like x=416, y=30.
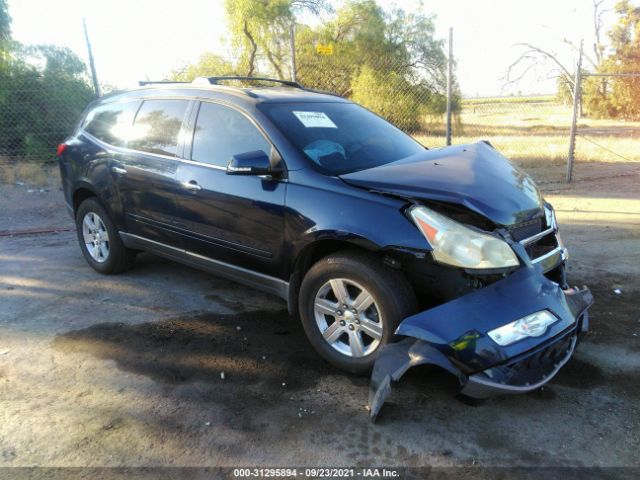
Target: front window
x=222, y=132
x=341, y=138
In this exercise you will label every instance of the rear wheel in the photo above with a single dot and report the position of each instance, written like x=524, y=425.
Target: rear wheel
x=350, y=305
x=99, y=240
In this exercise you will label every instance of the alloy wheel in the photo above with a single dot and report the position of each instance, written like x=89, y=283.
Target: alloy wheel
x=348, y=317
x=96, y=237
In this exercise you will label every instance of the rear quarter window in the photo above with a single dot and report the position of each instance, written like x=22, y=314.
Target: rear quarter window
x=112, y=122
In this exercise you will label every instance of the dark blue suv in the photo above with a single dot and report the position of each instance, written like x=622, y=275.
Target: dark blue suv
x=390, y=254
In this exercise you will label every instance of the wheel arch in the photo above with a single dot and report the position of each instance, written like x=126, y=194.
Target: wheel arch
x=80, y=194
x=84, y=189
x=316, y=250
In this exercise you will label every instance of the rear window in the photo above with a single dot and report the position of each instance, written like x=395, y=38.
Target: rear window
x=111, y=123
x=340, y=138
x=157, y=126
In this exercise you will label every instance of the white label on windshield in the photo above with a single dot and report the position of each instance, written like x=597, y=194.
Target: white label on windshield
x=315, y=119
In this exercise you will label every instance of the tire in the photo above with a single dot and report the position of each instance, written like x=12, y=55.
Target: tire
x=351, y=340
x=93, y=224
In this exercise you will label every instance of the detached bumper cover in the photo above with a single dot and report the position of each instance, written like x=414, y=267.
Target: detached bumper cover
x=453, y=336
x=525, y=374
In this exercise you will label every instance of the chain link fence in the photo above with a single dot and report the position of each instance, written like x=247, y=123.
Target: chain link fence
x=37, y=111
x=604, y=146
x=531, y=131
x=39, y=108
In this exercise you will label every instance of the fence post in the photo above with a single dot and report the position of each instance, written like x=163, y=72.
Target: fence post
x=574, y=120
x=449, y=85
x=92, y=64
x=292, y=45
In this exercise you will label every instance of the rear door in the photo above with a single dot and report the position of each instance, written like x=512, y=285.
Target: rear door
x=147, y=175
x=234, y=219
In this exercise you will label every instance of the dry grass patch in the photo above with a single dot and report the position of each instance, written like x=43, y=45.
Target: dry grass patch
x=35, y=174
x=534, y=133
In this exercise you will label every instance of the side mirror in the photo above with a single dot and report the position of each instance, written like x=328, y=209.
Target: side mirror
x=250, y=163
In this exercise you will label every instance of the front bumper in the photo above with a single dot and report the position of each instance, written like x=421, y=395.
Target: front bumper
x=524, y=374
x=453, y=336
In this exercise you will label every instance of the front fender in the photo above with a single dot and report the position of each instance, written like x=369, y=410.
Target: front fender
x=332, y=210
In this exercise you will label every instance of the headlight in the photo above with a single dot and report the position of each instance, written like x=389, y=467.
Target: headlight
x=455, y=244
x=532, y=325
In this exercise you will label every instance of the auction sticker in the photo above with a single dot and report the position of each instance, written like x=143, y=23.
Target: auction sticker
x=314, y=119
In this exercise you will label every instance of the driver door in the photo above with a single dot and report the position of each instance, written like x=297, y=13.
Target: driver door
x=234, y=219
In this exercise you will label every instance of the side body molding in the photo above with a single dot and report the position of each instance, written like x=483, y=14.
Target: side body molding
x=257, y=280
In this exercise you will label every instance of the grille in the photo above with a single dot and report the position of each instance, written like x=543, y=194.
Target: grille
x=523, y=232
x=542, y=246
x=526, y=229
x=546, y=357
x=535, y=367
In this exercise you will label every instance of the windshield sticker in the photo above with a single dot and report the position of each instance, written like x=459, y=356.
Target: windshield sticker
x=315, y=119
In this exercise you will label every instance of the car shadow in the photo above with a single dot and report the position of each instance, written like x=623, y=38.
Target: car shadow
x=258, y=347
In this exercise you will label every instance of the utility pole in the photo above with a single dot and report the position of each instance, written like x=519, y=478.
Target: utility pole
x=574, y=120
x=292, y=45
x=92, y=64
x=449, y=85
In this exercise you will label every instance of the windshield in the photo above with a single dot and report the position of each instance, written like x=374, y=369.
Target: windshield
x=341, y=138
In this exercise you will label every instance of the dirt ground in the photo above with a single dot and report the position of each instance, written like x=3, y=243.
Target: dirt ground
x=127, y=370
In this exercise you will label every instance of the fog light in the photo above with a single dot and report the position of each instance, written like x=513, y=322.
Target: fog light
x=533, y=325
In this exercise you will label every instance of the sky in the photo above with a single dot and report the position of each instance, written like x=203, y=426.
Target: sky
x=145, y=39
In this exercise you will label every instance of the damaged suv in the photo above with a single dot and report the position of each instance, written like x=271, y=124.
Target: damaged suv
x=391, y=254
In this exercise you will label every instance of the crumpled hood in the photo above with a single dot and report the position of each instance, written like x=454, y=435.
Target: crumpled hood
x=476, y=176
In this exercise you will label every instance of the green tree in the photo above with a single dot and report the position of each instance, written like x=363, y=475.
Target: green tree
x=5, y=22
x=389, y=62
x=5, y=35
x=391, y=96
x=208, y=65
x=256, y=29
x=618, y=97
x=357, y=36
x=43, y=90
x=260, y=32
x=42, y=93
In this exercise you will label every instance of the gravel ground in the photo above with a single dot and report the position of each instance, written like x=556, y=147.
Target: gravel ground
x=31, y=207
x=128, y=370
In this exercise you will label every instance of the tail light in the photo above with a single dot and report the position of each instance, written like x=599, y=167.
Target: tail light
x=61, y=148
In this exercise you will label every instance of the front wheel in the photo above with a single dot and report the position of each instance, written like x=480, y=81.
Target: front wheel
x=350, y=305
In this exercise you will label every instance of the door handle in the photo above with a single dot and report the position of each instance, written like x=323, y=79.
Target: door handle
x=191, y=185
x=118, y=170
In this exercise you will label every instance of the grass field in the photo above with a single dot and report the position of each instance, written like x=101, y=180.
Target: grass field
x=534, y=132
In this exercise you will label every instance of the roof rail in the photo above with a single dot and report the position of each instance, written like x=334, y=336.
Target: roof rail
x=144, y=83
x=217, y=80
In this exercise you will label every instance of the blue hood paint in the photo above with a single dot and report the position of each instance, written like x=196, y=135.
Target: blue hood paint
x=476, y=176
